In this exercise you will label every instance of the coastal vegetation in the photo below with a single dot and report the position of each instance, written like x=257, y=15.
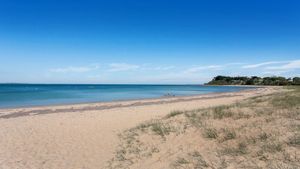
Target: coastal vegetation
x=260, y=132
x=254, y=80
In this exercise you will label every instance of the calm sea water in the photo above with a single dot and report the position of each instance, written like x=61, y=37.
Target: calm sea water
x=25, y=95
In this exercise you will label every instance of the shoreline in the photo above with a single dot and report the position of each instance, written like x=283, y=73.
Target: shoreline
x=88, y=106
x=86, y=135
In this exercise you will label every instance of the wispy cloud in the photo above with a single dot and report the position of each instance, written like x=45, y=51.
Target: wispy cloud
x=116, y=67
x=74, y=69
x=219, y=67
x=292, y=65
x=152, y=67
x=200, y=68
x=274, y=72
x=262, y=64
x=274, y=67
x=164, y=67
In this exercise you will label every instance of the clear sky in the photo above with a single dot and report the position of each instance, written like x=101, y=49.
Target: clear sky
x=153, y=41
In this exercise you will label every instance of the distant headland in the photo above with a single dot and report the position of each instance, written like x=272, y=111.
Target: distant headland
x=254, y=80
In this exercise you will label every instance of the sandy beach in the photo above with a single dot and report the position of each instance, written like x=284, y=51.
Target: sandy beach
x=86, y=135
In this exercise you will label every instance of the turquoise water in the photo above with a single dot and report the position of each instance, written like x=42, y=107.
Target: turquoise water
x=25, y=95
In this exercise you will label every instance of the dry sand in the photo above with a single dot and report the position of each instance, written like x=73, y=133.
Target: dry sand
x=86, y=135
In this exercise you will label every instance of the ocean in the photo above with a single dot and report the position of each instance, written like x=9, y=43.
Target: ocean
x=26, y=95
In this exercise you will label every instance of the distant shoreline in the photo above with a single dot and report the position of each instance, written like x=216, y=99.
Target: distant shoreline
x=88, y=106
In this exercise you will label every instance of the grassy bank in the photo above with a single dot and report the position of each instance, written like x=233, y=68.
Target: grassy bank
x=261, y=132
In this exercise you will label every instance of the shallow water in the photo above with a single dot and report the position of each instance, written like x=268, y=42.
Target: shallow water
x=25, y=95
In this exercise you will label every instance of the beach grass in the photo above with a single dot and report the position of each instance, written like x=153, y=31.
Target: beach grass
x=260, y=132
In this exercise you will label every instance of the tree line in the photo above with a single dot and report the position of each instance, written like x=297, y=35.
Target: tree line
x=254, y=80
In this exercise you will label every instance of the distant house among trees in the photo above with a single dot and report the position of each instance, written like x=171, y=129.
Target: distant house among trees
x=254, y=80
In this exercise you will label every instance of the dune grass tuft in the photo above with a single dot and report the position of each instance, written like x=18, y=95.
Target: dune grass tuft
x=174, y=113
x=210, y=133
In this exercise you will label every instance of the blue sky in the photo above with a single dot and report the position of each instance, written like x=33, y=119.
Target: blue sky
x=157, y=41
